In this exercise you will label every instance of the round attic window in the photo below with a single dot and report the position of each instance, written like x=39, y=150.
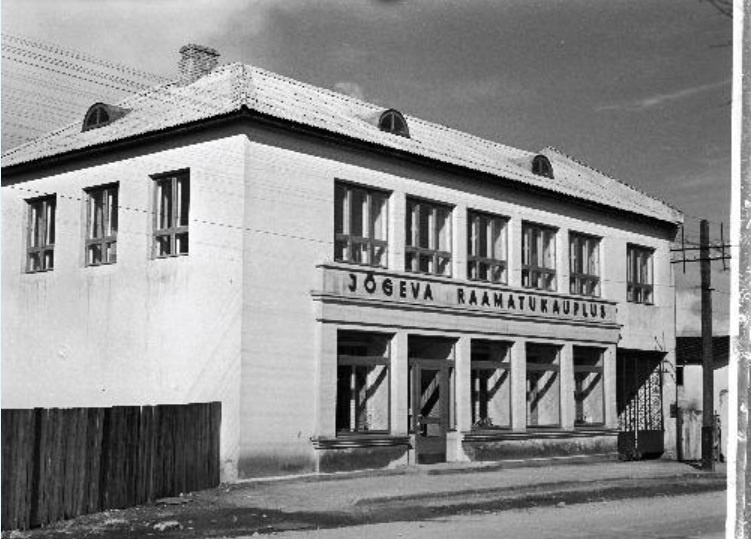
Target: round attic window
x=542, y=167
x=392, y=121
x=96, y=116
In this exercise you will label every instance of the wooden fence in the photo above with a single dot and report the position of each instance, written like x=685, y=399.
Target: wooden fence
x=61, y=463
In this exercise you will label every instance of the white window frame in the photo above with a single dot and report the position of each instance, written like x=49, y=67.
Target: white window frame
x=40, y=233
x=584, y=270
x=171, y=230
x=535, y=269
x=104, y=238
x=352, y=242
x=495, y=263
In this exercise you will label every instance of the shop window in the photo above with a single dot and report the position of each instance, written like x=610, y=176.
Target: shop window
x=639, y=274
x=584, y=262
x=360, y=225
x=362, y=396
x=40, y=242
x=171, y=215
x=491, y=385
x=538, y=257
x=543, y=386
x=486, y=247
x=101, y=225
x=428, y=242
x=589, y=386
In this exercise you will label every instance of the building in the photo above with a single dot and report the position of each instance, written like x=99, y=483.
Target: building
x=690, y=381
x=359, y=288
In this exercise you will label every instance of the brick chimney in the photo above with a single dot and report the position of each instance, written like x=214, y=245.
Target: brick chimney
x=195, y=62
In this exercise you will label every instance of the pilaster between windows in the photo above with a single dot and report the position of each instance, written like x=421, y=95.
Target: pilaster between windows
x=568, y=404
x=399, y=385
x=519, y=384
x=463, y=351
x=515, y=252
x=397, y=228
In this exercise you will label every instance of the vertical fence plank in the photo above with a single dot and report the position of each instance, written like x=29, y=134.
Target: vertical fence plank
x=61, y=463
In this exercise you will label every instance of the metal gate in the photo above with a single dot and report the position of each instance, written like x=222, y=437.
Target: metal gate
x=639, y=404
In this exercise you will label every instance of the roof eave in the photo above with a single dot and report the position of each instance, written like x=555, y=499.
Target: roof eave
x=244, y=112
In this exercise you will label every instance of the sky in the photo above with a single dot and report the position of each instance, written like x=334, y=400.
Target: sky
x=637, y=89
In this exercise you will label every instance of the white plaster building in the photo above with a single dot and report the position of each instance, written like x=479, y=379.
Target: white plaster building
x=358, y=287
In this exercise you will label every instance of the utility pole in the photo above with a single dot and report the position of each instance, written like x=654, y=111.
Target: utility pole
x=707, y=428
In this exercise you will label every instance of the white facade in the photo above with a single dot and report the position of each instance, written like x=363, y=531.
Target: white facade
x=252, y=314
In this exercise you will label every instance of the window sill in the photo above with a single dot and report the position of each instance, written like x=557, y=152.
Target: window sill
x=487, y=435
x=359, y=440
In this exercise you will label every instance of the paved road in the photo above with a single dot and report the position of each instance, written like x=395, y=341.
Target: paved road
x=681, y=517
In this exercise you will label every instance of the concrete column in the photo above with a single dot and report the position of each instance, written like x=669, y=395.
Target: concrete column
x=562, y=263
x=568, y=404
x=514, y=239
x=519, y=385
x=397, y=230
x=609, y=376
x=463, y=390
x=459, y=242
x=399, y=386
x=326, y=345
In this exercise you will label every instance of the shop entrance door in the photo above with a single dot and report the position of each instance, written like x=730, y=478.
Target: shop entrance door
x=639, y=404
x=429, y=408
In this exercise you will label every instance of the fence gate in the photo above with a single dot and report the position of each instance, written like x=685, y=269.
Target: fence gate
x=639, y=404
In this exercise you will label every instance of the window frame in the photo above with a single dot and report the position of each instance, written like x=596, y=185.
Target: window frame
x=39, y=240
x=414, y=232
x=532, y=269
x=584, y=280
x=474, y=261
x=355, y=361
x=480, y=365
x=108, y=213
x=635, y=289
x=174, y=229
x=598, y=368
x=352, y=240
x=553, y=366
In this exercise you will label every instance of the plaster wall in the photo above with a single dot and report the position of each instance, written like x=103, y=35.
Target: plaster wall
x=142, y=330
x=289, y=230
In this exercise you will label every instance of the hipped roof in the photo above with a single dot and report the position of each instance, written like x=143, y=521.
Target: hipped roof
x=234, y=87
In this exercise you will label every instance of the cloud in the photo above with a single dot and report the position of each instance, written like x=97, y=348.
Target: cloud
x=351, y=89
x=659, y=99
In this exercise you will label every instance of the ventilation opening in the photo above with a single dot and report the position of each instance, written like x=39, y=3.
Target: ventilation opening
x=392, y=121
x=542, y=167
x=101, y=114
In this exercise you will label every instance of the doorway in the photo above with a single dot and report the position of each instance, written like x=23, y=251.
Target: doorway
x=431, y=396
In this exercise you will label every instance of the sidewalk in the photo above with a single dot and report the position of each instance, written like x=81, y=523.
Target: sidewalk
x=415, y=493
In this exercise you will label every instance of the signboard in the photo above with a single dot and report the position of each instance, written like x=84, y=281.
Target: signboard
x=348, y=282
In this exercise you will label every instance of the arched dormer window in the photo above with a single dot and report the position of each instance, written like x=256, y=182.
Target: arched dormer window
x=392, y=121
x=101, y=114
x=542, y=167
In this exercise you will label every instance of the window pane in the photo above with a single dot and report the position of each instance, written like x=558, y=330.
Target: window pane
x=340, y=198
x=359, y=213
x=380, y=216
x=482, y=231
x=164, y=217
x=163, y=245
x=543, y=385
x=183, y=198
x=181, y=243
x=424, y=231
x=50, y=222
x=362, y=401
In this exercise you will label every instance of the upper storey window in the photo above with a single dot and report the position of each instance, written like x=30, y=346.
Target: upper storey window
x=360, y=225
x=639, y=274
x=101, y=226
x=171, y=215
x=392, y=121
x=428, y=242
x=40, y=245
x=584, y=259
x=538, y=257
x=542, y=167
x=486, y=247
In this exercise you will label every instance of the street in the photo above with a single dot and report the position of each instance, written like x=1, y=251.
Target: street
x=693, y=516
